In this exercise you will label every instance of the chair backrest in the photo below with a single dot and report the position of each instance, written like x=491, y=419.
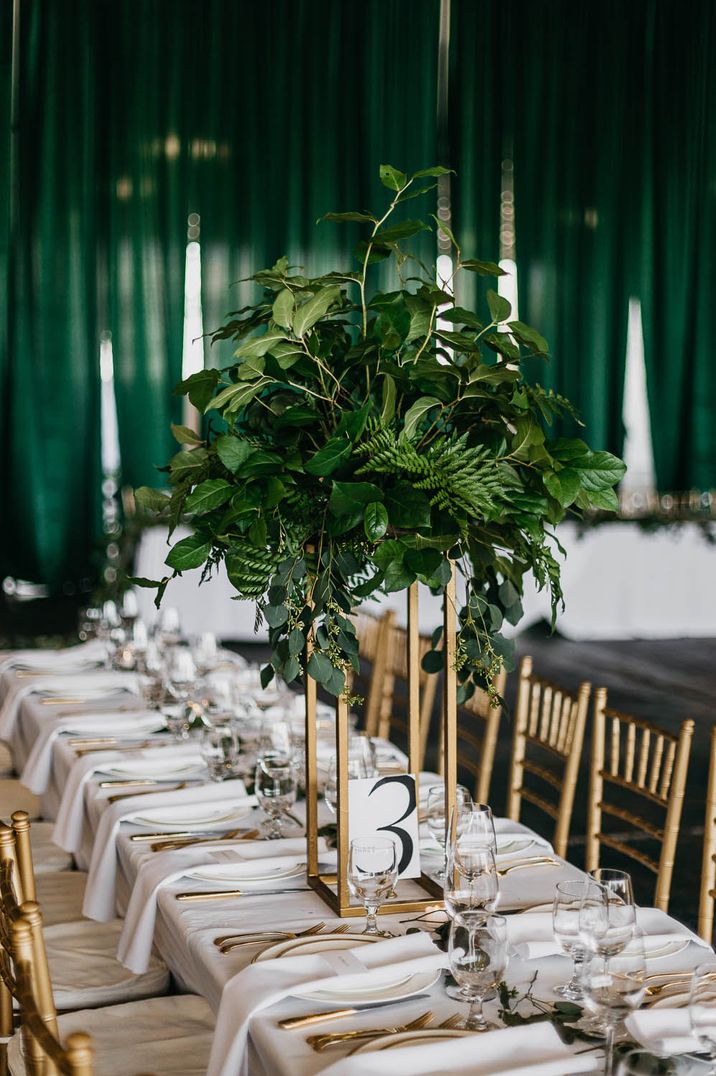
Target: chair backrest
x=394, y=693
x=549, y=724
x=25, y=976
x=642, y=764
x=373, y=634
x=478, y=728
x=708, y=867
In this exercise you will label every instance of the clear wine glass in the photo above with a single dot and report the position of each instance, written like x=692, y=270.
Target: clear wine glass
x=478, y=957
x=436, y=821
x=372, y=876
x=356, y=769
x=607, y=919
x=702, y=1009
x=220, y=750
x=167, y=628
x=477, y=825
x=565, y=920
x=471, y=883
x=614, y=986
x=205, y=652
x=275, y=789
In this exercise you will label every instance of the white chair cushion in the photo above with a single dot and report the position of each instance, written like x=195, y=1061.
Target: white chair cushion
x=85, y=971
x=60, y=895
x=15, y=797
x=165, y=1036
x=46, y=855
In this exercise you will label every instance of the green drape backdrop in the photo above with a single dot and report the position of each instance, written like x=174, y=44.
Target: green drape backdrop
x=678, y=242
x=260, y=118
x=50, y=402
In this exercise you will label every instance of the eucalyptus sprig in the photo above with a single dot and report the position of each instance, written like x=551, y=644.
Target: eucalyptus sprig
x=361, y=441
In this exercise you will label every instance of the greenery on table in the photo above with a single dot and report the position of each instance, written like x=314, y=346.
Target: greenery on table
x=363, y=440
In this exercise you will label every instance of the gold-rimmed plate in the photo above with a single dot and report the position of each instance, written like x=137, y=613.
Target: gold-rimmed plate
x=317, y=944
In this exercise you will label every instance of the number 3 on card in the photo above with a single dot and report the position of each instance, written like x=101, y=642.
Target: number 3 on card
x=387, y=806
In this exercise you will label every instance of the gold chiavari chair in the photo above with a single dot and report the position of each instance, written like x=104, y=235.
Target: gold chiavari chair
x=373, y=634
x=549, y=724
x=708, y=867
x=394, y=691
x=478, y=728
x=163, y=1035
x=637, y=763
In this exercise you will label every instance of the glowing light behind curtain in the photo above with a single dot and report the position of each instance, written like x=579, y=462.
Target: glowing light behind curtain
x=678, y=269
x=50, y=402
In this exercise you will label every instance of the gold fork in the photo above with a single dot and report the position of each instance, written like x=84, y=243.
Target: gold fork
x=316, y=928
x=279, y=935
x=322, y=1042
x=658, y=988
x=541, y=862
x=451, y=1022
x=169, y=844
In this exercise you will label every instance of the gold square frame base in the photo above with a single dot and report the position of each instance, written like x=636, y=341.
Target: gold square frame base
x=324, y=885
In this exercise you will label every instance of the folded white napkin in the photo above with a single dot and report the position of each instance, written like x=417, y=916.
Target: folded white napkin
x=164, y=868
x=532, y=935
x=663, y=1031
x=68, y=657
x=37, y=770
x=261, y=985
x=86, y=685
x=536, y=1050
x=69, y=823
x=99, y=902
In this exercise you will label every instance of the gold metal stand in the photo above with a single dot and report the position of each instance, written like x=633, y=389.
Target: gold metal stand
x=333, y=888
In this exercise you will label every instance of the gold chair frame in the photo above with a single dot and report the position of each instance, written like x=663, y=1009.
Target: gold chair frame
x=655, y=770
x=708, y=867
x=397, y=667
x=554, y=720
x=374, y=635
x=479, y=708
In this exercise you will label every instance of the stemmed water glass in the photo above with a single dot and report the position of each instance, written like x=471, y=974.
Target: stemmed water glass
x=471, y=879
x=702, y=1009
x=565, y=920
x=220, y=750
x=436, y=820
x=372, y=876
x=356, y=770
x=607, y=916
x=275, y=789
x=614, y=986
x=478, y=958
x=475, y=826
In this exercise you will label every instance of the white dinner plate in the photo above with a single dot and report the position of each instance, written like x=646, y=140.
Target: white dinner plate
x=679, y=999
x=202, y=815
x=137, y=768
x=315, y=944
x=110, y=725
x=247, y=872
x=670, y=948
x=395, y=990
x=408, y=1038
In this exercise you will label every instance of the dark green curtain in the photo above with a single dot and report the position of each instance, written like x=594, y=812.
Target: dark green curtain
x=50, y=404
x=678, y=271
x=301, y=102
x=577, y=147
x=480, y=126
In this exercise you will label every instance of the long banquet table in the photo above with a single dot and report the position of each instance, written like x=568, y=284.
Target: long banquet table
x=184, y=932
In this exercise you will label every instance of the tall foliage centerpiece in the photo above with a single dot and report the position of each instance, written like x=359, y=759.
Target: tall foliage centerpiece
x=363, y=440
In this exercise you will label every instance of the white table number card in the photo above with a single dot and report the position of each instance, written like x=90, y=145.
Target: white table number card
x=387, y=807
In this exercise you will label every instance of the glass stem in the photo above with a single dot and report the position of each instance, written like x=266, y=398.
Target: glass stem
x=578, y=957
x=371, y=911
x=609, y=1051
x=474, y=1020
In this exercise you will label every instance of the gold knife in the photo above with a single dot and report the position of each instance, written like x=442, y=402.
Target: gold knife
x=293, y=1022
x=226, y=894
x=118, y=746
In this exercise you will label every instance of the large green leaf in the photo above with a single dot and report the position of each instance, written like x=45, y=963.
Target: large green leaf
x=308, y=313
x=392, y=178
x=499, y=306
x=388, y=400
x=482, y=268
x=154, y=500
x=375, y=520
x=417, y=413
x=208, y=495
x=190, y=552
x=404, y=230
x=231, y=451
x=185, y=436
x=328, y=458
x=361, y=218
x=407, y=507
x=283, y=306
x=199, y=387
x=598, y=470
x=233, y=397
x=347, y=497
